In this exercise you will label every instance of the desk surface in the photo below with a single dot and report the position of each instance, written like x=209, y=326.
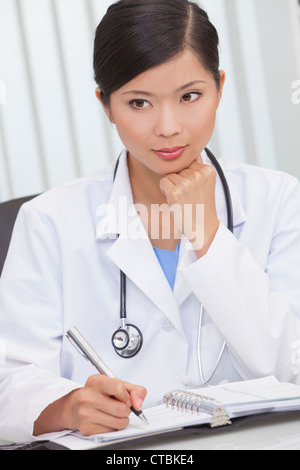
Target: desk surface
x=280, y=432
x=271, y=432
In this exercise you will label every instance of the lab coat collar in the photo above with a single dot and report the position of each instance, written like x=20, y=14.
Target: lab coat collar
x=113, y=214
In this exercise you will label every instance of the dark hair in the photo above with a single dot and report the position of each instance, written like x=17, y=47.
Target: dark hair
x=136, y=35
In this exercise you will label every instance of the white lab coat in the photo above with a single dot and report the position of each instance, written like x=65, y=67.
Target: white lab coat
x=63, y=269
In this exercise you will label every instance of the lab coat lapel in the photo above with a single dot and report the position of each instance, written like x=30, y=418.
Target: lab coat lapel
x=137, y=260
x=132, y=250
x=186, y=257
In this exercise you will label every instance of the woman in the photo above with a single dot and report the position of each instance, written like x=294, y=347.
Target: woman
x=157, y=69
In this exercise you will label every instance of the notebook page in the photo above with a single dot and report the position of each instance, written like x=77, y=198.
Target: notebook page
x=238, y=399
x=160, y=418
x=255, y=396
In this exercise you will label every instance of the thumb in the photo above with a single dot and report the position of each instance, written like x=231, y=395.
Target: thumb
x=165, y=186
x=162, y=186
x=137, y=395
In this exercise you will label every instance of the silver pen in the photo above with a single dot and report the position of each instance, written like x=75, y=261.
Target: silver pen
x=86, y=350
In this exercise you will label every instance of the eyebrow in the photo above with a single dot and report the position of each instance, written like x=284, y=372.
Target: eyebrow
x=147, y=93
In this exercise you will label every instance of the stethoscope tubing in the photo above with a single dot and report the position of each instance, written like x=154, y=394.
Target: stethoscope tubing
x=225, y=188
x=125, y=353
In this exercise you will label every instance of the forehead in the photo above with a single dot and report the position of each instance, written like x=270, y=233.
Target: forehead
x=169, y=76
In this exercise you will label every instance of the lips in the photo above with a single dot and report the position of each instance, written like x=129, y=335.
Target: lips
x=170, y=153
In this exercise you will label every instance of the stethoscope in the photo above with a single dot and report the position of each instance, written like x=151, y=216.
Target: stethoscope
x=128, y=339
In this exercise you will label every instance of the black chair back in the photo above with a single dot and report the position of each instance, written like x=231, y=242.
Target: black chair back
x=8, y=214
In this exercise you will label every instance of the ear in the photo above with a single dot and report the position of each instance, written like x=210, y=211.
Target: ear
x=106, y=108
x=222, y=82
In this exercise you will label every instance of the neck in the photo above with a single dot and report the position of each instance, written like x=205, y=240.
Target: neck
x=144, y=183
x=146, y=191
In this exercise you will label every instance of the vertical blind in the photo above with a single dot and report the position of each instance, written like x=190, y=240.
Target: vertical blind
x=52, y=128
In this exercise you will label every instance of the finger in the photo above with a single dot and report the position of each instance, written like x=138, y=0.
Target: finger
x=101, y=422
x=190, y=173
x=109, y=387
x=196, y=165
x=166, y=185
x=137, y=395
x=198, y=159
x=117, y=388
x=174, y=178
x=97, y=413
x=200, y=166
x=112, y=406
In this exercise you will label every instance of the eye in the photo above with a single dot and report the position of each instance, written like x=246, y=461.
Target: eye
x=139, y=104
x=191, y=96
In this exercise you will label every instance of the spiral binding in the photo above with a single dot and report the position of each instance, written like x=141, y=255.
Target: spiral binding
x=187, y=401
x=195, y=402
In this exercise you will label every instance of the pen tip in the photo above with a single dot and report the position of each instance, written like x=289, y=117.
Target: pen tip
x=143, y=417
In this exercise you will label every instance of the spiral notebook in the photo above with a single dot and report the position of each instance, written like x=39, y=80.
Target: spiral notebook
x=213, y=407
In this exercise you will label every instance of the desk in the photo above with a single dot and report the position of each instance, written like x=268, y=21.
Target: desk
x=280, y=432
x=273, y=432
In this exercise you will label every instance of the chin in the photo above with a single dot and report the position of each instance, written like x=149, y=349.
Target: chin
x=177, y=166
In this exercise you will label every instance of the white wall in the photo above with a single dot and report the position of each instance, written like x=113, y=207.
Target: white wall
x=52, y=128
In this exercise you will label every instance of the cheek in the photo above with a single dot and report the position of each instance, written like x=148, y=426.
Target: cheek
x=131, y=129
x=204, y=118
x=202, y=126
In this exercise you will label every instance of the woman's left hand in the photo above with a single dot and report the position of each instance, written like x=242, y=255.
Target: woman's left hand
x=192, y=191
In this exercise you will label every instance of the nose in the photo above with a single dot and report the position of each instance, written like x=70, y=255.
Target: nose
x=167, y=122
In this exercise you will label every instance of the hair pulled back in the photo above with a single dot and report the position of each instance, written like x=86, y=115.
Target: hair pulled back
x=136, y=35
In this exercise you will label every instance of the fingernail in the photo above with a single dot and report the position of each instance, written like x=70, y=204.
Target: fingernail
x=129, y=403
x=139, y=403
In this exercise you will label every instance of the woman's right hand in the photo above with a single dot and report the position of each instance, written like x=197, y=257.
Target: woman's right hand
x=102, y=405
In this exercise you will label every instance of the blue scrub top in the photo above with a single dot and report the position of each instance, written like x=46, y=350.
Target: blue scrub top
x=168, y=261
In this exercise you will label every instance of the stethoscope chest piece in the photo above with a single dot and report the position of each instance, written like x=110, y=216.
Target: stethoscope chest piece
x=127, y=341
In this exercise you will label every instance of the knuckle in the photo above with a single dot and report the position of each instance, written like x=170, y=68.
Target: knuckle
x=83, y=402
x=210, y=171
x=82, y=398
x=176, y=193
x=119, y=387
x=93, y=381
x=198, y=175
x=188, y=183
x=81, y=414
x=193, y=173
